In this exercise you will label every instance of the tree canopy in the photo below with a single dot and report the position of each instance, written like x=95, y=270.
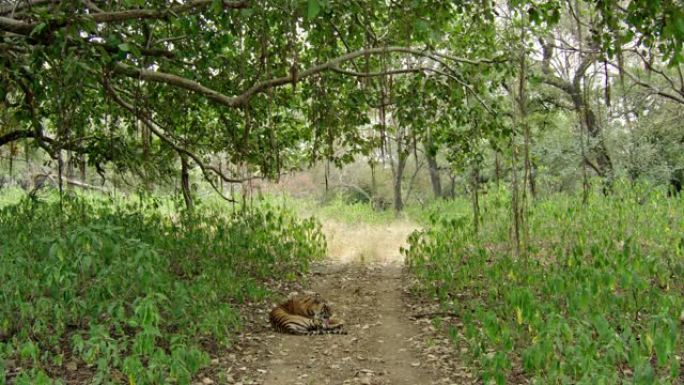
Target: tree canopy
x=264, y=86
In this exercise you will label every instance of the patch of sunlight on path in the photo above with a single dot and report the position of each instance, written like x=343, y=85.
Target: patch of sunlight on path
x=365, y=242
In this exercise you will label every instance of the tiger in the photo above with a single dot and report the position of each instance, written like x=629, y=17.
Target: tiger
x=305, y=315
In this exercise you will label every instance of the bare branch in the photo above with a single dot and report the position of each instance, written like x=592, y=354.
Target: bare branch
x=652, y=88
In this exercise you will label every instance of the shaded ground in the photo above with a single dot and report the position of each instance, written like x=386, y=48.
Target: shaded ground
x=385, y=345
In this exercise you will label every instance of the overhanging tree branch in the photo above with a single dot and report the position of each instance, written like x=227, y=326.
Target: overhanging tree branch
x=334, y=63
x=242, y=99
x=176, y=81
x=16, y=135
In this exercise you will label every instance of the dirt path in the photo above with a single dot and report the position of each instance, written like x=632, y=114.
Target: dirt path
x=364, y=283
x=377, y=349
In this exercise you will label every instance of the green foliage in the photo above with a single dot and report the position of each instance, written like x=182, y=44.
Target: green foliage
x=133, y=294
x=11, y=196
x=597, y=300
x=659, y=24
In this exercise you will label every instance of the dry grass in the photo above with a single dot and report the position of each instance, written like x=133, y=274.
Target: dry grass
x=363, y=242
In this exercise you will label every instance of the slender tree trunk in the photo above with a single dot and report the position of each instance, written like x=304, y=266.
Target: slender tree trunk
x=398, y=176
x=516, y=205
x=220, y=164
x=518, y=194
x=433, y=168
x=27, y=158
x=10, y=158
x=82, y=167
x=374, y=182
x=475, y=196
x=497, y=168
x=185, y=184
x=452, y=186
x=529, y=177
x=70, y=168
x=533, y=179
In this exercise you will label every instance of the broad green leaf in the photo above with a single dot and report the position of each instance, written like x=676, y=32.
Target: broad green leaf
x=314, y=9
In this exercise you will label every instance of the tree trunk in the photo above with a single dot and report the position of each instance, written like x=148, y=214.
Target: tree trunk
x=185, y=183
x=518, y=195
x=374, y=182
x=433, y=169
x=497, y=168
x=82, y=167
x=475, y=196
x=70, y=168
x=452, y=187
x=220, y=164
x=398, y=175
x=10, y=158
x=533, y=179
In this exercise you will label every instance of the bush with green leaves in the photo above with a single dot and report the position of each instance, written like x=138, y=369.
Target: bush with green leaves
x=597, y=299
x=130, y=294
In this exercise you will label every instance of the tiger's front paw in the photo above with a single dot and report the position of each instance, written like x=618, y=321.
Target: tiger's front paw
x=333, y=323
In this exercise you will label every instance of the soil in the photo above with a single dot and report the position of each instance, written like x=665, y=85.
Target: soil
x=385, y=343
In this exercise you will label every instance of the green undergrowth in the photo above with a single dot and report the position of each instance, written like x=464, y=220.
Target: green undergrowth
x=597, y=299
x=130, y=294
x=11, y=196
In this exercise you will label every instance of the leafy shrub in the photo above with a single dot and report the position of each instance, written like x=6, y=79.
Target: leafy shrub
x=131, y=294
x=599, y=299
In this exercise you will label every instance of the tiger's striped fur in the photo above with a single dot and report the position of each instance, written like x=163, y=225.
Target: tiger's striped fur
x=304, y=315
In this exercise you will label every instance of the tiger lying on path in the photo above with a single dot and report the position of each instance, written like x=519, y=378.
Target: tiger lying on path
x=305, y=315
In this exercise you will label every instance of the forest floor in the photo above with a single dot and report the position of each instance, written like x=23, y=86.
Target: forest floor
x=364, y=281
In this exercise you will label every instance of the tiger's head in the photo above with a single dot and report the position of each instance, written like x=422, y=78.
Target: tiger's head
x=321, y=309
x=324, y=314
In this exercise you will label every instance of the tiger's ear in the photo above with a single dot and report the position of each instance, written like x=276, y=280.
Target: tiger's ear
x=318, y=298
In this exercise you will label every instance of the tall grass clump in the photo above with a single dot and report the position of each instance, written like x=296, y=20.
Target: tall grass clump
x=121, y=293
x=597, y=297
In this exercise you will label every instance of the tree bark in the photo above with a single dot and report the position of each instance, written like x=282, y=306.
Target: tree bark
x=433, y=168
x=70, y=167
x=82, y=167
x=185, y=183
x=475, y=196
x=452, y=186
x=398, y=175
x=497, y=168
